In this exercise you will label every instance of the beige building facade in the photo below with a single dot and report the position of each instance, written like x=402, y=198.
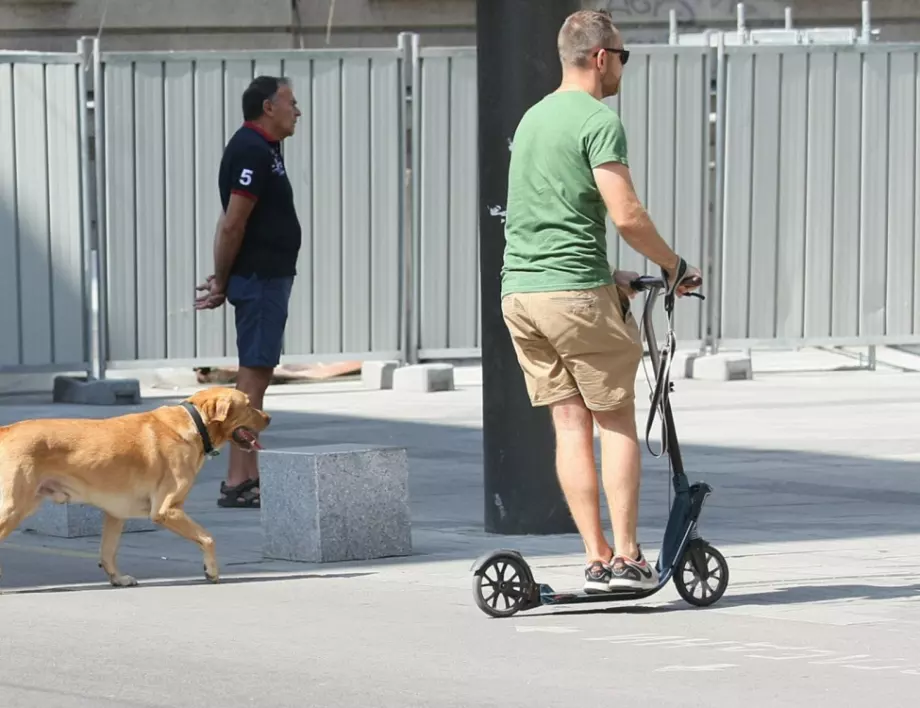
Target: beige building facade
x=54, y=25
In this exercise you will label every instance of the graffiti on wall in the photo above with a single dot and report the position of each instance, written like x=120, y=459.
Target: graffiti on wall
x=690, y=10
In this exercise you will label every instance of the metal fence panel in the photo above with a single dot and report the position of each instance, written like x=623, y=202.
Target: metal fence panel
x=846, y=160
x=817, y=243
x=327, y=250
x=874, y=196
x=819, y=235
x=739, y=132
x=120, y=239
x=10, y=320
x=208, y=89
x=447, y=242
x=902, y=281
x=387, y=218
x=179, y=190
x=167, y=119
x=41, y=219
x=819, y=196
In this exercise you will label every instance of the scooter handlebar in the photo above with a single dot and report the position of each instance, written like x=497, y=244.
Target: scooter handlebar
x=649, y=282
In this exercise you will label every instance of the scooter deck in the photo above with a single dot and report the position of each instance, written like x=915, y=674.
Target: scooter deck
x=548, y=596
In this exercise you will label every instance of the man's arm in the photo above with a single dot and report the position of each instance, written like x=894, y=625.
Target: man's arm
x=231, y=226
x=605, y=145
x=248, y=172
x=629, y=216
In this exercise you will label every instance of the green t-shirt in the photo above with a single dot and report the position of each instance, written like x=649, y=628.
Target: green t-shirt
x=555, y=223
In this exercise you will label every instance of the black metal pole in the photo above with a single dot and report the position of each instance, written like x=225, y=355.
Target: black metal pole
x=518, y=64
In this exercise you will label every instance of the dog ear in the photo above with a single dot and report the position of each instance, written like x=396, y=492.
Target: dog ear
x=222, y=409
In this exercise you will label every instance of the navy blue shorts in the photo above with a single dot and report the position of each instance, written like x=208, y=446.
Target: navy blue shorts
x=261, y=306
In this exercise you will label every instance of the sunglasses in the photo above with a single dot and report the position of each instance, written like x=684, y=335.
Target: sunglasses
x=624, y=53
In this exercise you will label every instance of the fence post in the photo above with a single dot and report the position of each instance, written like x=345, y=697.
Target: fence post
x=99, y=240
x=865, y=35
x=88, y=88
x=709, y=189
x=87, y=201
x=412, y=191
x=408, y=45
x=406, y=202
x=714, y=302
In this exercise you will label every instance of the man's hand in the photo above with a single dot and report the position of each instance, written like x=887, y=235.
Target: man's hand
x=214, y=295
x=623, y=278
x=685, y=287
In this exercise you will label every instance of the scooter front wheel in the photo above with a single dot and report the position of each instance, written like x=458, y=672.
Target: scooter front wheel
x=702, y=577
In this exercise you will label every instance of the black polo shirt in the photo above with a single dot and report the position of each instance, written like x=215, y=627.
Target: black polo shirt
x=253, y=167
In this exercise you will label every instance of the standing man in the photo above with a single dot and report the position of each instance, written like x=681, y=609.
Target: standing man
x=569, y=318
x=255, y=255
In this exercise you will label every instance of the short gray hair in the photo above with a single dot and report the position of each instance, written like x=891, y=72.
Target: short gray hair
x=582, y=33
x=261, y=89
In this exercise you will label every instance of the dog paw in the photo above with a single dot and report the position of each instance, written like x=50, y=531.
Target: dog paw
x=122, y=581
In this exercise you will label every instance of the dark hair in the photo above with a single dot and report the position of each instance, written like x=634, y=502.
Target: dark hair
x=262, y=88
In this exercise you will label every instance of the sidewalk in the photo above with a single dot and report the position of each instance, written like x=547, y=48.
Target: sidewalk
x=815, y=507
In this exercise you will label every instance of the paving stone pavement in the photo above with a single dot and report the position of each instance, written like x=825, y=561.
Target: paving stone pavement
x=815, y=507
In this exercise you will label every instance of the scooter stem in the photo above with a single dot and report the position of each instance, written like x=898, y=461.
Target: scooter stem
x=660, y=396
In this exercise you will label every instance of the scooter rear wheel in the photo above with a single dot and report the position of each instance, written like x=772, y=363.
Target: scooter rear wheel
x=688, y=579
x=503, y=586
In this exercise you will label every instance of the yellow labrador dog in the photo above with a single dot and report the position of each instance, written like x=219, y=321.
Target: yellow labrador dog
x=140, y=465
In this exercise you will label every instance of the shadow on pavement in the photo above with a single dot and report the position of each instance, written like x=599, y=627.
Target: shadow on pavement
x=760, y=497
x=820, y=593
x=798, y=594
x=177, y=582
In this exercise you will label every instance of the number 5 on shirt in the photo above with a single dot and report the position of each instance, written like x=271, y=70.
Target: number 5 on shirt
x=246, y=177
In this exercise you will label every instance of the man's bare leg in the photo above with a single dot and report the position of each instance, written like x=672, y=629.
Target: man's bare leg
x=244, y=466
x=620, y=469
x=577, y=473
x=620, y=466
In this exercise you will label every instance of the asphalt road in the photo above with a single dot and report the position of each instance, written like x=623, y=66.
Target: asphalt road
x=815, y=508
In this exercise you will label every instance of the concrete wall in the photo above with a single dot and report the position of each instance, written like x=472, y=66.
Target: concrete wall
x=245, y=24
x=647, y=20
x=54, y=25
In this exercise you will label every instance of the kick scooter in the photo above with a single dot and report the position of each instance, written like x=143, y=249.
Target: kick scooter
x=503, y=583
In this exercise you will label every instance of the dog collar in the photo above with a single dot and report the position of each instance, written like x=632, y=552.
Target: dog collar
x=202, y=430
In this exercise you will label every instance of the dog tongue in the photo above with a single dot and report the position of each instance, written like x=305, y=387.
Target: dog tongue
x=247, y=437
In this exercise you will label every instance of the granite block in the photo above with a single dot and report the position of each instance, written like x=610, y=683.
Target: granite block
x=335, y=503
x=682, y=365
x=105, y=392
x=75, y=520
x=424, y=378
x=378, y=374
x=723, y=367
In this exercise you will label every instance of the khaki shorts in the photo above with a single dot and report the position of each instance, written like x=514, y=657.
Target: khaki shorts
x=576, y=341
